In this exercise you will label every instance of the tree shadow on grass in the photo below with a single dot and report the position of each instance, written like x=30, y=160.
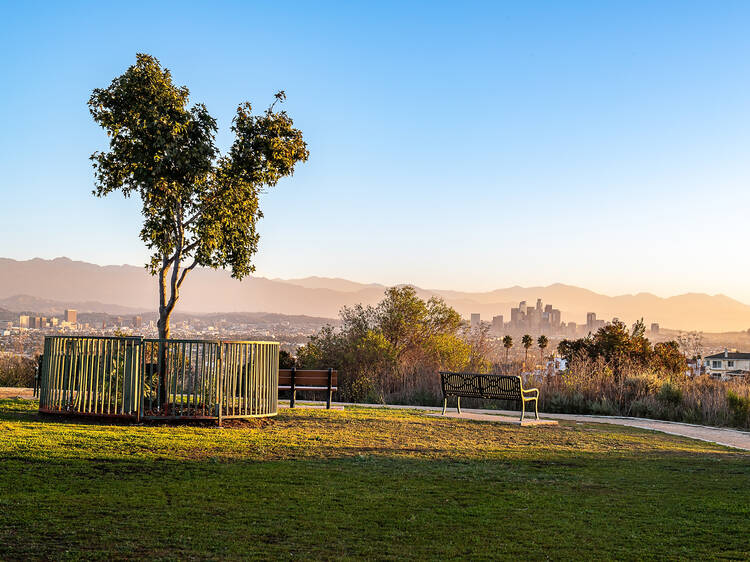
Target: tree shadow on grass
x=371, y=506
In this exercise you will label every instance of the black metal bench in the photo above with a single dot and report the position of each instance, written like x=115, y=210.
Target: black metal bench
x=490, y=387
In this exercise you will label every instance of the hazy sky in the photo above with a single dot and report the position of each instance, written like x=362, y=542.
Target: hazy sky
x=452, y=145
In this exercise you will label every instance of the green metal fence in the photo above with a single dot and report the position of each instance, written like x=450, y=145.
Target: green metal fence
x=141, y=378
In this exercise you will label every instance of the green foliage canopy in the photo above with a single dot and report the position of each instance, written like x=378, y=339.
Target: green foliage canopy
x=618, y=346
x=396, y=346
x=197, y=206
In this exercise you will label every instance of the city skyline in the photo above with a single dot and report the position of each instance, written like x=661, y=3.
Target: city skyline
x=44, y=285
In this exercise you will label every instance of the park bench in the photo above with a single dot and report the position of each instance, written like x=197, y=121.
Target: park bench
x=308, y=379
x=491, y=387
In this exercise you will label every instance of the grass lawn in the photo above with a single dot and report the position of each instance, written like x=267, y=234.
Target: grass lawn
x=369, y=483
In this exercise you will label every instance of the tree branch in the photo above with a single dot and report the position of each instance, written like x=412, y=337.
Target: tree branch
x=176, y=259
x=185, y=272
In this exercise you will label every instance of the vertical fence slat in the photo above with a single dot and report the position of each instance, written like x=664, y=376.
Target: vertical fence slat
x=203, y=379
x=108, y=375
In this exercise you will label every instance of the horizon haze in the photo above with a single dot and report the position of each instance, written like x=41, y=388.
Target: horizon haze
x=128, y=288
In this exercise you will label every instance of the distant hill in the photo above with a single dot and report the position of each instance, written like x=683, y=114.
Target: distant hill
x=333, y=283
x=7, y=315
x=87, y=287
x=27, y=303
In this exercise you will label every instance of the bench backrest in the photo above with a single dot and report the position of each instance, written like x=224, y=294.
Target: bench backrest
x=501, y=387
x=307, y=377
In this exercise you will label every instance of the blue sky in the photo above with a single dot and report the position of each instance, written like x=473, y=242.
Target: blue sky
x=452, y=145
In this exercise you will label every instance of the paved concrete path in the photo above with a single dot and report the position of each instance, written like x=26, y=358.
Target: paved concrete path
x=719, y=435
x=16, y=392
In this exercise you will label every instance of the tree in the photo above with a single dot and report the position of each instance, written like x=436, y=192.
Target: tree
x=199, y=208
x=622, y=349
x=286, y=361
x=507, y=344
x=668, y=358
x=691, y=344
x=527, y=342
x=394, y=348
x=542, y=342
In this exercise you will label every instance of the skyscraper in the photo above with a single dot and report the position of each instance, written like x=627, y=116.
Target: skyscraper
x=475, y=321
x=555, y=318
x=71, y=315
x=590, y=321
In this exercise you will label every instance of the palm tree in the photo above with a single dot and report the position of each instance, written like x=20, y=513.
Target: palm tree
x=507, y=344
x=542, y=342
x=527, y=342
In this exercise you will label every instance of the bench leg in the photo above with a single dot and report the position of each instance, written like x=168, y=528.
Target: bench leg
x=445, y=404
x=523, y=408
x=458, y=404
x=328, y=402
x=294, y=399
x=536, y=407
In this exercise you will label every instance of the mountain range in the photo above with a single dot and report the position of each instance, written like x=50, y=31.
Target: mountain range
x=48, y=286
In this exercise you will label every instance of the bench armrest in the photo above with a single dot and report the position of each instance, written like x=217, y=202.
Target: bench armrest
x=536, y=390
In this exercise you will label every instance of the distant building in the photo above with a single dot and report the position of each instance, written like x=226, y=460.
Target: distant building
x=137, y=322
x=475, y=321
x=23, y=321
x=555, y=319
x=728, y=365
x=591, y=321
x=515, y=317
x=654, y=329
x=71, y=315
x=541, y=319
x=497, y=324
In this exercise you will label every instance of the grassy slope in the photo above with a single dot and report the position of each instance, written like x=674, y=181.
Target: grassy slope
x=365, y=483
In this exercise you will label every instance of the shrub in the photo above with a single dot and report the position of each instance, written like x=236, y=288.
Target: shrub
x=603, y=407
x=639, y=385
x=645, y=408
x=570, y=403
x=16, y=370
x=739, y=406
x=669, y=394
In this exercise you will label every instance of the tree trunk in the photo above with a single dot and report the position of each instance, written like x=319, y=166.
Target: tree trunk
x=167, y=302
x=163, y=328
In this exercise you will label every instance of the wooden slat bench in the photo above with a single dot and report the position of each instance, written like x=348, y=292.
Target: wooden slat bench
x=308, y=379
x=491, y=387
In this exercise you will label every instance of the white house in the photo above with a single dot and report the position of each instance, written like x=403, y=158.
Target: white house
x=728, y=364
